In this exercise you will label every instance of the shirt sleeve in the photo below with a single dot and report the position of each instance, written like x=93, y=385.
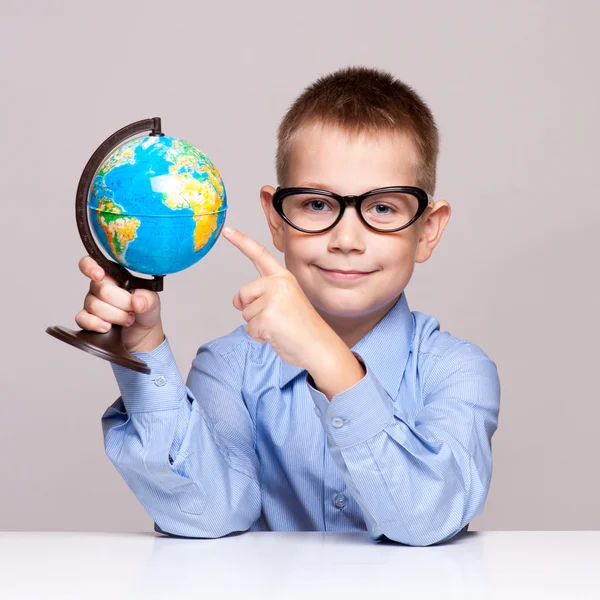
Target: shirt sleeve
x=186, y=450
x=418, y=481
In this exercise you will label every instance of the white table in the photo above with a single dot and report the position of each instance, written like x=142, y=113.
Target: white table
x=307, y=565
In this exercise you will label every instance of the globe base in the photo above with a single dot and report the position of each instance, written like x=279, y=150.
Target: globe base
x=108, y=346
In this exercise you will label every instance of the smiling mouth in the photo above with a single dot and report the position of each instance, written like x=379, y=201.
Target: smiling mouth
x=345, y=275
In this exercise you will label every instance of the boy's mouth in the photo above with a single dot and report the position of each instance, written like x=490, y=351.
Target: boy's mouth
x=344, y=275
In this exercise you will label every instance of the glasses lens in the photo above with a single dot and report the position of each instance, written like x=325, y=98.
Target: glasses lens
x=389, y=210
x=310, y=211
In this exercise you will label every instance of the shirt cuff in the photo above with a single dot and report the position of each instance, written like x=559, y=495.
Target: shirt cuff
x=357, y=414
x=161, y=389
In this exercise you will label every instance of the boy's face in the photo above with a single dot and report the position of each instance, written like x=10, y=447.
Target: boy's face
x=328, y=158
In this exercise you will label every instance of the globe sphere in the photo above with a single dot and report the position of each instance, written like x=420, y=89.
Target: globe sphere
x=157, y=205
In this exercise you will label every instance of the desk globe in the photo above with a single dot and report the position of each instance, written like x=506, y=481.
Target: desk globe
x=156, y=205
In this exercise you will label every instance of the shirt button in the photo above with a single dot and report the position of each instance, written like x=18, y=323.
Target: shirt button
x=317, y=411
x=340, y=501
x=160, y=381
x=337, y=422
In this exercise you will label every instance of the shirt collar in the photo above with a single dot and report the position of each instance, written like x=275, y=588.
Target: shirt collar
x=384, y=349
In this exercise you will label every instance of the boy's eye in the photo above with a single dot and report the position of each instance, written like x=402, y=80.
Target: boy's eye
x=391, y=206
x=309, y=211
x=383, y=209
x=317, y=205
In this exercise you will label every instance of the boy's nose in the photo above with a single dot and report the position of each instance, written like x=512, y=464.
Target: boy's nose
x=349, y=233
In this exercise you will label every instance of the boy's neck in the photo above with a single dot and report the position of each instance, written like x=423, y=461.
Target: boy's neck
x=352, y=330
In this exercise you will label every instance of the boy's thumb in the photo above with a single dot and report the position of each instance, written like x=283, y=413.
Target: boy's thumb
x=139, y=302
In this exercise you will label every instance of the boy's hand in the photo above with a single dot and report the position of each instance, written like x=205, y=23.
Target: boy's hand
x=106, y=303
x=277, y=310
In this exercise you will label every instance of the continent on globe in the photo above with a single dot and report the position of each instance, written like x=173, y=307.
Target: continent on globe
x=119, y=229
x=203, y=197
x=157, y=205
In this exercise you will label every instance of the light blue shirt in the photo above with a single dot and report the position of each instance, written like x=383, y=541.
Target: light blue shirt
x=247, y=443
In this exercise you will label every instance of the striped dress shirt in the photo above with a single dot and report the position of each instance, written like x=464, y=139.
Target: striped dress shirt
x=248, y=442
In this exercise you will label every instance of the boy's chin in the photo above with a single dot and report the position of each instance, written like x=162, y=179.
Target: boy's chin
x=344, y=308
x=352, y=304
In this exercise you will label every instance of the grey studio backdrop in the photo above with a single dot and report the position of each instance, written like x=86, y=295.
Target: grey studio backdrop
x=514, y=87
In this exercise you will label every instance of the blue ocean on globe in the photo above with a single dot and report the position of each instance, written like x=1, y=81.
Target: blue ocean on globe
x=157, y=205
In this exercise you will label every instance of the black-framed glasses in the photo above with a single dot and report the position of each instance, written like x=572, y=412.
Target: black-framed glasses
x=385, y=210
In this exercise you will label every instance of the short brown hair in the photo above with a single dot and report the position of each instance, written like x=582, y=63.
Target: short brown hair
x=361, y=99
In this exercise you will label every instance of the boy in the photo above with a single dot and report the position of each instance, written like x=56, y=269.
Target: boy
x=335, y=407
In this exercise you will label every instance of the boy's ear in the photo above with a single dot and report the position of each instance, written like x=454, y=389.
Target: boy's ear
x=276, y=223
x=431, y=229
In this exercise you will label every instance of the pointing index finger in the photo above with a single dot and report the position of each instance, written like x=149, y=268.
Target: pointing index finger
x=263, y=260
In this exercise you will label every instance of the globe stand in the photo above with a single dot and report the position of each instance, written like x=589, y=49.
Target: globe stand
x=109, y=345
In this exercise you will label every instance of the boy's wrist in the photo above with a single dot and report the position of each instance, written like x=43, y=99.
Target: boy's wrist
x=336, y=370
x=150, y=342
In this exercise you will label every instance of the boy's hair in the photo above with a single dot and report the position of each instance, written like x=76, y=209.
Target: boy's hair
x=361, y=99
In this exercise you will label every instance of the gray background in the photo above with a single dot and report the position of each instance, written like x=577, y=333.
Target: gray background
x=514, y=88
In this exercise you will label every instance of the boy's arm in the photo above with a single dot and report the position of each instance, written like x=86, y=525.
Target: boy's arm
x=195, y=474
x=418, y=481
